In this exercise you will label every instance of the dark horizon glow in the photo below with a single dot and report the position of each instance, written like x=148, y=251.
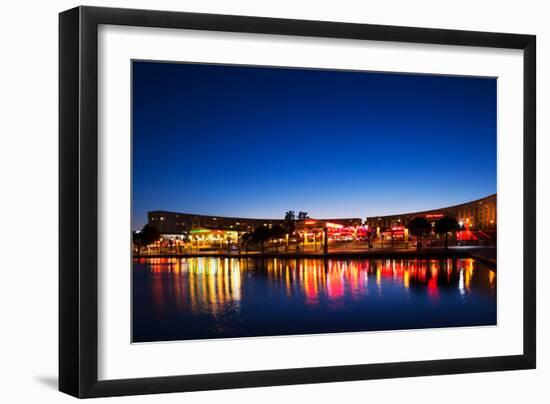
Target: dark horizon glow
x=247, y=141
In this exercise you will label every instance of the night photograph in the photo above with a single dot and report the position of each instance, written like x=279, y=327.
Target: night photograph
x=271, y=201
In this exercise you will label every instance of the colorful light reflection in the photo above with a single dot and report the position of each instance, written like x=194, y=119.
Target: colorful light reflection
x=209, y=285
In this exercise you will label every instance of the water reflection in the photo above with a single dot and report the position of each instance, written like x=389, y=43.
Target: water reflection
x=334, y=278
x=198, y=284
x=223, y=297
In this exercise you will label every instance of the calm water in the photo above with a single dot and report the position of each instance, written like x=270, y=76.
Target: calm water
x=198, y=298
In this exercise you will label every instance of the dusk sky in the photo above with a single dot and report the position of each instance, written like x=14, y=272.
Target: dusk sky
x=258, y=141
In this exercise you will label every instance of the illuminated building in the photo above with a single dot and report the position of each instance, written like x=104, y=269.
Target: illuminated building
x=205, y=231
x=477, y=219
x=183, y=223
x=479, y=216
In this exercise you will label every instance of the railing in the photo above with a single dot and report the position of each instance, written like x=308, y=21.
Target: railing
x=334, y=246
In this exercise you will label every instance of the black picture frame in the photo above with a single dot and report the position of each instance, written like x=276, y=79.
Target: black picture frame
x=78, y=201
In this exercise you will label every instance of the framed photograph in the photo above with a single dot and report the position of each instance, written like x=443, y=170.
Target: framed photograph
x=251, y=201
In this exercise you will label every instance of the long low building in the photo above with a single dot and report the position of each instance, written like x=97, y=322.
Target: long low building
x=184, y=223
x=475, y=216
x=478, y=215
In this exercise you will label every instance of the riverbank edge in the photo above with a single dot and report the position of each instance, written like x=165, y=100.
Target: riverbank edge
x=423, y=254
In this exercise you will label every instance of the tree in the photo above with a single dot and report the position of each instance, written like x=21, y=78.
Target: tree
x=228, y=239
x=370, y=235
x=419, y=227
x=136, y=239
x=445, y=225
x=302, y=215
x=263, y=234
x=290, y=216
x=260, y=235
x=277, y=232
x=290, y=222
x=147, y=235
x=170, y=245
x=245, y=238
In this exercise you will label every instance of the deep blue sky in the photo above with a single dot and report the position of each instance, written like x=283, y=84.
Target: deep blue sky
x=258, y=141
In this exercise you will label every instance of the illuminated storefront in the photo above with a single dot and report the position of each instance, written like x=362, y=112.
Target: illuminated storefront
x=477, y=219
x=202, y=233
x=189, y=232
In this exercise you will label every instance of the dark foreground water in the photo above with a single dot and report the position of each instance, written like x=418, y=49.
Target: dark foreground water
x=199, y=298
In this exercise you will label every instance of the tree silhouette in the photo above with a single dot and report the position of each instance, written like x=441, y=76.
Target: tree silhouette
x=290, y=222
x=260, y=235
x=245, y=238
x=445, y=225
x=277, y=232
x=302, y=215
x=263, y=234
x=370, y=235
x=147, y=235
x=290, y=216
x=419, y=227
x=136, y=239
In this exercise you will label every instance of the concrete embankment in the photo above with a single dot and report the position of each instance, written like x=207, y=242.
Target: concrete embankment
x=487, y=256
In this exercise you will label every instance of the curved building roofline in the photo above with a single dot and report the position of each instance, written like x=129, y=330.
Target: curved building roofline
x=480, y=200
x=240, y=218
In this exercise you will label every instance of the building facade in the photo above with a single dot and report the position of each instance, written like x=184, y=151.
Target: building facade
x=184, y=223
x=204, y=233
x=478, y=215
x=477, y=220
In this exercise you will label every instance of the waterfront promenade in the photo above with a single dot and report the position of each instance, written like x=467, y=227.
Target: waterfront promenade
x=484, y=254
